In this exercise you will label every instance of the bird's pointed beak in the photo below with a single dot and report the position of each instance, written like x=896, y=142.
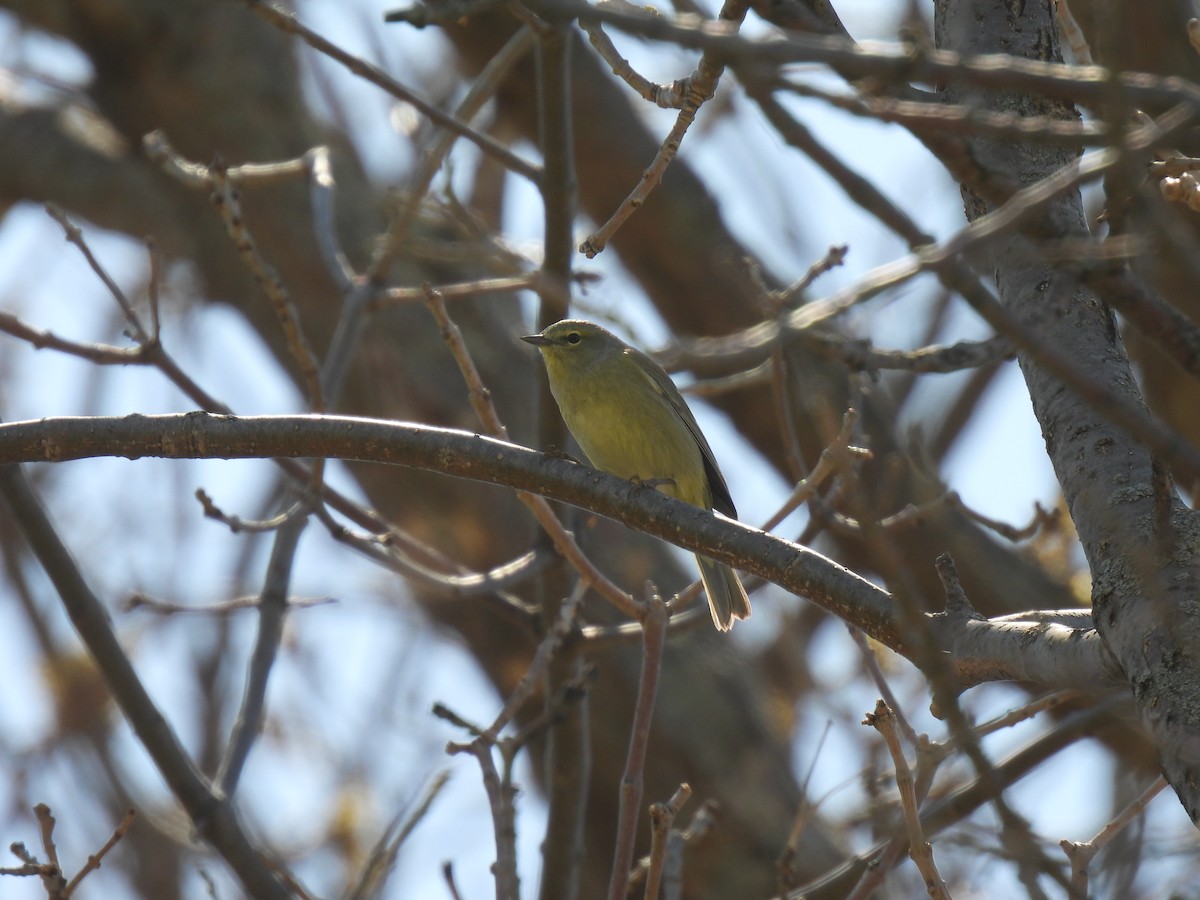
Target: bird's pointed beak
x=536, y=339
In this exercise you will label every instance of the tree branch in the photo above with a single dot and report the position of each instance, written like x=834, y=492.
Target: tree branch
x=792, y=566
x=215, y=819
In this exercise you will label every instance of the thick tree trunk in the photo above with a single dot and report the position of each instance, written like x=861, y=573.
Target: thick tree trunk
x=1139, y=540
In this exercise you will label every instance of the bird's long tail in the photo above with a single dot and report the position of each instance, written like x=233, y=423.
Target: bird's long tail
x=727, y=598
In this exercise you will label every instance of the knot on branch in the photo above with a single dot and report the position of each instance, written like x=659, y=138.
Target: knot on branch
x=957, y=604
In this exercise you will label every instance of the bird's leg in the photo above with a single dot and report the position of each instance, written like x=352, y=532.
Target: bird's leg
x=555, y=452
x=652, y=483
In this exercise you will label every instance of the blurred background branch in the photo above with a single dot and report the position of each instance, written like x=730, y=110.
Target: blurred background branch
x=475, y=153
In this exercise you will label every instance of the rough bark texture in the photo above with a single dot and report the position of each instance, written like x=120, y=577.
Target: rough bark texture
x=1139, y=542
x=1151, y=38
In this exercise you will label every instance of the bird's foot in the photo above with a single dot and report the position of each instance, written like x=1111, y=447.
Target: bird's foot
x=652, y=483
x=556, y=452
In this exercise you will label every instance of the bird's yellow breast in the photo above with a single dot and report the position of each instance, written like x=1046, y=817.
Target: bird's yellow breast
x=643, y=440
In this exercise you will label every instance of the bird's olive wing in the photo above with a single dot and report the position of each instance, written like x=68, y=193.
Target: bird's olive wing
x=662, y=383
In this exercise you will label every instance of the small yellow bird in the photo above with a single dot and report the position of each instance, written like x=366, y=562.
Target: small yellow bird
x=631, y=421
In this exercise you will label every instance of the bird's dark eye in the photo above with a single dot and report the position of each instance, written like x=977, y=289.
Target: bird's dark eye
x=573, y=337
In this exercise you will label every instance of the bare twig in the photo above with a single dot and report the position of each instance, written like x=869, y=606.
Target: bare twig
x=538, y=666
x=805, y=813
x=228, y=203
x=662, y=818
x=422, y=14
x=482, y=89
x=54, y=882
x=448, y=877
x=912, y=514
x=1015, y=716
x=75, y=236
x=891, y=64
x=214, y=817
x=1070, y=30
x=954, y=118
x=501, y=794
x=884, y=721
x=833, y=460
x=1014, y=829
x=889, y=698
x=481, y=402
x=272, y=610
x=1176, y=165
x=94, y=859
x=653, y=635
x=666, y=96
x=860, y=355
x=1005, y=218
x=222, y=181
x=452, y=580
x=196, y=175
x=777, y=301
x=700, y=87
x=867, y=869
x=697, y=830
x=238, y=525
x=383, y=857
x=568, y=757
x=289, y=24
x=462, y=290
x=101, y=354
x=1081, y=853
x=225, y=607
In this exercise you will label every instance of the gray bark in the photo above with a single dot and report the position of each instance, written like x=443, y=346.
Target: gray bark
x=1139, y=540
